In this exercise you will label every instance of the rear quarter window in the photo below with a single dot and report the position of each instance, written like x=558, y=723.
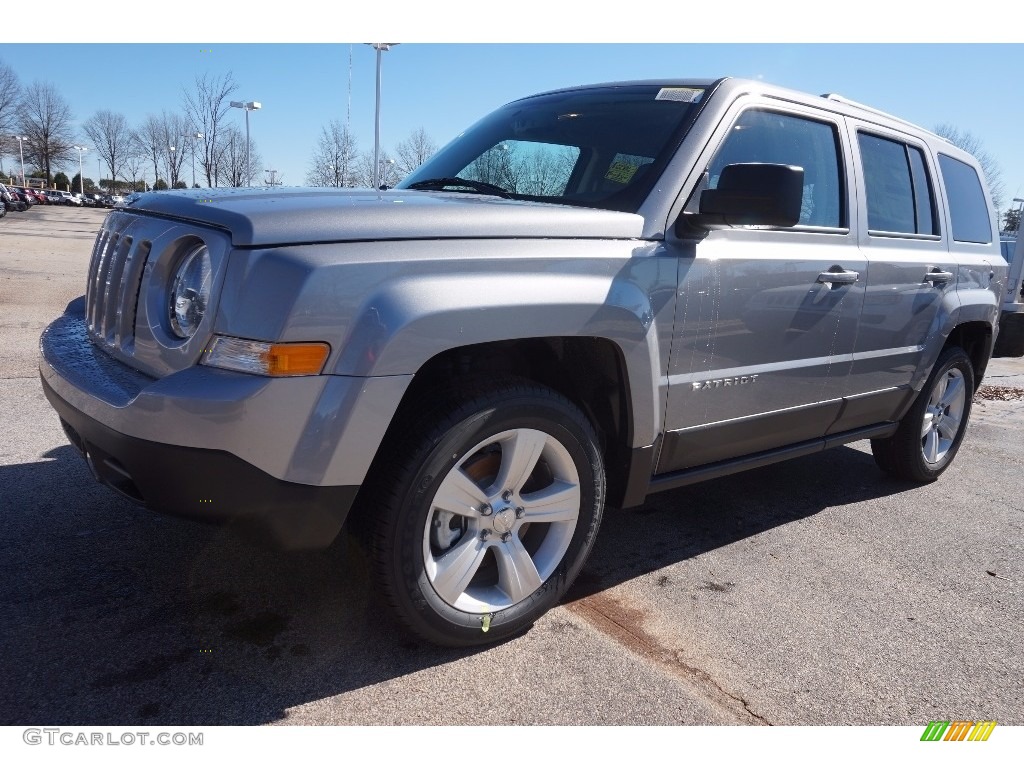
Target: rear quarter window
x=967, y=207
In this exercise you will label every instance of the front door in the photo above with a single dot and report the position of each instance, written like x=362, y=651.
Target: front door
x=766, y=319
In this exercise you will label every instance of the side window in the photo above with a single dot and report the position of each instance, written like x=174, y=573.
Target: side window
x=760, y=136
x=900, y=197
x=967, y=207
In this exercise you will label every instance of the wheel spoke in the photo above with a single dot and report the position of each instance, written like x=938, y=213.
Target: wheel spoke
x=517, y=573
x=931, y=446
x=519, y=455
x=460, y=495
x=926, y=426
x=457, y=566
x=559, y=502
x=954, y=392
x=947, y=429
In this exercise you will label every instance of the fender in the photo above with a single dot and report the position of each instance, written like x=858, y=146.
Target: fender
x=387, y=308
x=957, y=308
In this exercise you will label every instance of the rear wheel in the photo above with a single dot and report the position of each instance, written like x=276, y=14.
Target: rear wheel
x=930, y=434
x=485, y=513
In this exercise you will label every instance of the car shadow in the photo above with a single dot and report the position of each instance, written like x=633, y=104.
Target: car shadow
x=115, y=615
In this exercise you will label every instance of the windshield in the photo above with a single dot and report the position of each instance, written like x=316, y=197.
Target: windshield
x=600, y=147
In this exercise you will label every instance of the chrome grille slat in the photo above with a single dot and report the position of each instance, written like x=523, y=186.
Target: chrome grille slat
x=100, y=296
x=94, y=272
x=114, y=279
x=113, y=292
x=130, y=275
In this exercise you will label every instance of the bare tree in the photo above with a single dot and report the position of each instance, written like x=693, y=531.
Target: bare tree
x=414, y=152
x=230, y=159
x=388, y=172
x=135, y=159
x=172, y=132
x=968, y=142
x=206, y=106
x=10, y=95
x=499, y=165
x=111, y=138
x=149, y=140
x=45, y=117
x=335, y=158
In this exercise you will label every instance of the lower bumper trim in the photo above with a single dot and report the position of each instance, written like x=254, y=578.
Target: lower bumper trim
x=210, y=485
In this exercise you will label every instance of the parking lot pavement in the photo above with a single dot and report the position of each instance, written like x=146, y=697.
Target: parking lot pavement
x=811, y=592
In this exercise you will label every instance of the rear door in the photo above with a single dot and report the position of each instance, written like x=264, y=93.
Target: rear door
x=909, y=270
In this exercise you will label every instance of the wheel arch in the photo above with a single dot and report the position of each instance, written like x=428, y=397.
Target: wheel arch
x=591, y=372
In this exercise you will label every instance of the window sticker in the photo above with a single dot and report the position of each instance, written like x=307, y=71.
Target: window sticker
x=688, y=95
x=621, y=172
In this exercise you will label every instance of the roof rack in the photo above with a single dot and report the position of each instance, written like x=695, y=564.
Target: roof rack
x=850, y=102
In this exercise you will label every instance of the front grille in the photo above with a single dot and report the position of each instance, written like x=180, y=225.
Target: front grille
x=112, y=290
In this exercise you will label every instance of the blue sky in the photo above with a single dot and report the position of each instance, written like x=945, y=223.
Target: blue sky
x=446, y=87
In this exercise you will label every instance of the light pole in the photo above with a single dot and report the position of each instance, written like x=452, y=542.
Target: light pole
x=248, y=106
x=81, y=175
x=379, y=47
x=99, y=173
x=192, y=141
x=273, y=174
x=21, y=148
x=170, y=171
x=384, y=163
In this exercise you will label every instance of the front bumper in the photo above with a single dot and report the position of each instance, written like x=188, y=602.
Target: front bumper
x=287, y=454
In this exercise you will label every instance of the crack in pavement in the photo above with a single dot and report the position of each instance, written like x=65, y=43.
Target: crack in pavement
x=622, y=624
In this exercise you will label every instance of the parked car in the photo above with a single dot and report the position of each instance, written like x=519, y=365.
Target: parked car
x=112, y=201
x=11, y=200
x=24, y=195
x=711, y=276
x=1010, y=342
x=57, y=197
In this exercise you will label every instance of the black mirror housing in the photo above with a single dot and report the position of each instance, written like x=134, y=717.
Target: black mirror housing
x=752, y=194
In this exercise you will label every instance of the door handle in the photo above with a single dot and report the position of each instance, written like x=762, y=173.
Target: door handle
x=937, y=277
x=840, y=275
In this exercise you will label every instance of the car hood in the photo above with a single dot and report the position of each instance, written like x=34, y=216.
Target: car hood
x=275, y=216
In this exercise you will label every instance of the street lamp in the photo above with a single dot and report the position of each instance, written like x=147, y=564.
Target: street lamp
x=384, y=163
x=99, y=174
x=248, y=106
x=192, y=141
x=81, y=179
x=21, y=147
x=171, y=171
x=379, y=47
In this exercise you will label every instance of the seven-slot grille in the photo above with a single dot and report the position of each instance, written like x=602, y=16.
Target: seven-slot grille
x=112, y=291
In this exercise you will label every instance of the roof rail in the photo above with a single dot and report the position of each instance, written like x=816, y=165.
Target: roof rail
x=850, y=102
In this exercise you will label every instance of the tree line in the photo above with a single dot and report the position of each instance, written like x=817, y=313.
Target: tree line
x=194, y=145
x=190, y=146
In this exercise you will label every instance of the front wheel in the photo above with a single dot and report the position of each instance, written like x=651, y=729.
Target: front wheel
x=930, y=434
x=485, y=512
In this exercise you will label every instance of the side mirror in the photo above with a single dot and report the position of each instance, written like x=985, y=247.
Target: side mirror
x=751, y=194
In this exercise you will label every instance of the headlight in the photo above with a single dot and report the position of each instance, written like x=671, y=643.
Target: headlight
x=190, y=292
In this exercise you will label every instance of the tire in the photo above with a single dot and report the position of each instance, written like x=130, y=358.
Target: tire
x=929, y=435
x=483, y=512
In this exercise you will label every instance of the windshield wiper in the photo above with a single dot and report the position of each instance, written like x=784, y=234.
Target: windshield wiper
x=457, y=181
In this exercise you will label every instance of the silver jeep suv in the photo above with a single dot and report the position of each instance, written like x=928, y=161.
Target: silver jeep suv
x=591, y=295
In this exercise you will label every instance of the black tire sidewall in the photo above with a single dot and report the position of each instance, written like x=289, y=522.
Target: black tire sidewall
x=433, y=617
x=953, y=357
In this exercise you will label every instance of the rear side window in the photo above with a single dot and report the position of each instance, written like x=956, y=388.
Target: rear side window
x=899, y=192
x=769, y=137
x=967, y=208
